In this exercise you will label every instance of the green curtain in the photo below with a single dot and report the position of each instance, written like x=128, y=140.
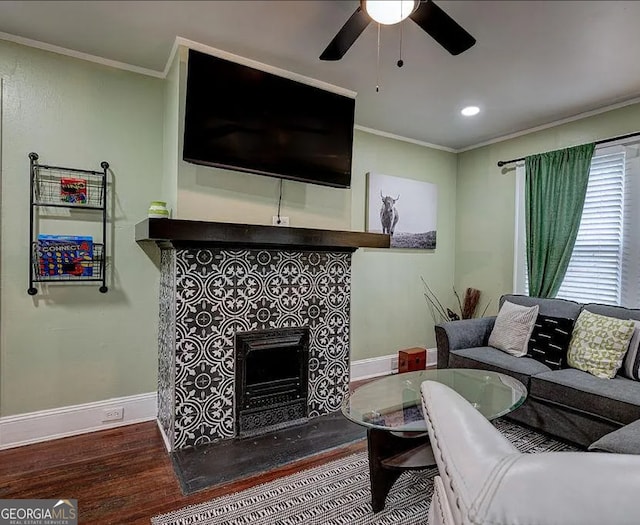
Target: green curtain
x=556, y=185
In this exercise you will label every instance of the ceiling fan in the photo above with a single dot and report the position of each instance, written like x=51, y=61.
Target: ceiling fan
x=438, y=24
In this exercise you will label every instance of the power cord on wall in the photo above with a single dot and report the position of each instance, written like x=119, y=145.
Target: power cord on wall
x=279, y=221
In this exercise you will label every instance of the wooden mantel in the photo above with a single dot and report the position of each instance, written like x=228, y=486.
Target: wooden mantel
x=179, y=233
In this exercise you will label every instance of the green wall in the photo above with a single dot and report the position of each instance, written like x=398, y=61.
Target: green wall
x=70, y=344
x=485, y=197
x=388, y=310
x=171, y=129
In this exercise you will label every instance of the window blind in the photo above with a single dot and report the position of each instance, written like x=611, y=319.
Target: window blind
x=594, y=272
x=630, y=282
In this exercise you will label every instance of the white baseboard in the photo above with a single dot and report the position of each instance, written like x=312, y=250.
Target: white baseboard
x=383, y=365
x=45, y=425
x=432, y=356
x=165, y=438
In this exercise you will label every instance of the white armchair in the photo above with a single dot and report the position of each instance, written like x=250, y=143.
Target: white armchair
x=484, y=479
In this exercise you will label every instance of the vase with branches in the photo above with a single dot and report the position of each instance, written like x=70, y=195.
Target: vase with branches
x=467, y=307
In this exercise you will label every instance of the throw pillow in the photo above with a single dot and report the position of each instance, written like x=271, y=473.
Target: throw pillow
x=598, y=344
x=625, y=440
x=513, y=328
x=631, y=366
x=549, y=341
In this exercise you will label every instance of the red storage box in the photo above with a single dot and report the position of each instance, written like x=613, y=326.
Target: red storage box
x=412, y=359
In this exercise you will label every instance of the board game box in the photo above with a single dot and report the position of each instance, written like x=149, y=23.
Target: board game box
x=60, y=255
x=73, y=191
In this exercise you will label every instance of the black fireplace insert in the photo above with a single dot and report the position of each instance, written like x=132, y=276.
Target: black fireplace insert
x=272, y=368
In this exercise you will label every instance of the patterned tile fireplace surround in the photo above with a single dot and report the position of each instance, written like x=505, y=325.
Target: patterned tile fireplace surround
x=218, y=279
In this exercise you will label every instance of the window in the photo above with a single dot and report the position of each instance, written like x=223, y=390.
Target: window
x=605, y=264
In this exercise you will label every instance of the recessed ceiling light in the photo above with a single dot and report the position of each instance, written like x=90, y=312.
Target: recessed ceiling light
x=470, y=111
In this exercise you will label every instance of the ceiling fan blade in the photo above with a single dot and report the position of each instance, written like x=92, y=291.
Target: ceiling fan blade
x=442, y=28
x=341, y=43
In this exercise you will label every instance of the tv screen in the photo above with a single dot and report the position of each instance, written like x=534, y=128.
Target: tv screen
x=245, y=119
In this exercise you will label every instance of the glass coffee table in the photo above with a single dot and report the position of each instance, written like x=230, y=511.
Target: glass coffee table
x=391, y=409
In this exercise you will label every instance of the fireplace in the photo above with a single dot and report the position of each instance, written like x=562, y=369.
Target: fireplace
x=264, y=308
x=208, y=296
x=272, y=368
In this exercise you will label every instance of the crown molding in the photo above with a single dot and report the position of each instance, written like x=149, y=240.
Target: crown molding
x=77, y=54
x=181, y=41
x=403, y=139
x=553, y=124
x=172, y=55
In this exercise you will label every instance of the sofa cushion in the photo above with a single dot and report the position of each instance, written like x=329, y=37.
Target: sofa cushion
x=618, y=312
x=598, y=344
x=625, y=440
x=552, y=307
x=513, y=328
x=549, y=341
x=616, y=400
x=488, y=358
x=631, y=363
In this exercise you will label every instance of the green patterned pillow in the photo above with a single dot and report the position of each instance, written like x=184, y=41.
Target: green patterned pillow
x=598, y=344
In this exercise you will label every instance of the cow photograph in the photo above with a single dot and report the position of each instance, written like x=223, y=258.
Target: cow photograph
x=406, y=209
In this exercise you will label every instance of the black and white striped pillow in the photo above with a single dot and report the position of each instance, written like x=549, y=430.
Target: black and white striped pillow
x=631, y=365
x=549, y=341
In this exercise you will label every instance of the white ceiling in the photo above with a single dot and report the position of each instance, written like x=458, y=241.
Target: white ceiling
x=534, y=62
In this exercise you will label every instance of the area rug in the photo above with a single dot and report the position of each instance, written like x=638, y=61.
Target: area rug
x=337, y=493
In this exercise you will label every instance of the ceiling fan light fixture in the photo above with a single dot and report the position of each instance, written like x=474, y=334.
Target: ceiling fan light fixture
x=389, y=12
x=470, y=111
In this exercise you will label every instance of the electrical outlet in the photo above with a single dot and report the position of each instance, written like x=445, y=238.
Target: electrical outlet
x=284, y=221
x=113, y=414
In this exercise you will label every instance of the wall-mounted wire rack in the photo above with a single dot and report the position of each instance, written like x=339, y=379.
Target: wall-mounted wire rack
x=74, y=189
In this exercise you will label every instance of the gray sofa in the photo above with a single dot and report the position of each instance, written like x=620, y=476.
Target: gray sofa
x=568, y=403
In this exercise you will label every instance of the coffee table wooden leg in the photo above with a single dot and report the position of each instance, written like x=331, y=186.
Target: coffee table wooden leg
x=382, y=445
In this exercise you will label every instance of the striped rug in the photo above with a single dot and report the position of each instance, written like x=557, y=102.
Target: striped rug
x=336, y=493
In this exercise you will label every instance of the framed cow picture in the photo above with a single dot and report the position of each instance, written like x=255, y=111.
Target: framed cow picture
x=406, y=209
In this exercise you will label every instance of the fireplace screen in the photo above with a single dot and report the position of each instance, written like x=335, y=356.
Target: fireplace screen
x=266, y=365
x=272, y=369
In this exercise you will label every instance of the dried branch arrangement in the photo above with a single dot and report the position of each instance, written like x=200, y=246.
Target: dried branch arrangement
x=467, y=307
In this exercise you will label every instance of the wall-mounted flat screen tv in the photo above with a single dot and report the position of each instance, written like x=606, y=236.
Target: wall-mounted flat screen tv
x=245, y=119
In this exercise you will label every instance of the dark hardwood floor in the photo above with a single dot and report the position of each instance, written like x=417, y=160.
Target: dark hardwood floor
x=118, y=476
